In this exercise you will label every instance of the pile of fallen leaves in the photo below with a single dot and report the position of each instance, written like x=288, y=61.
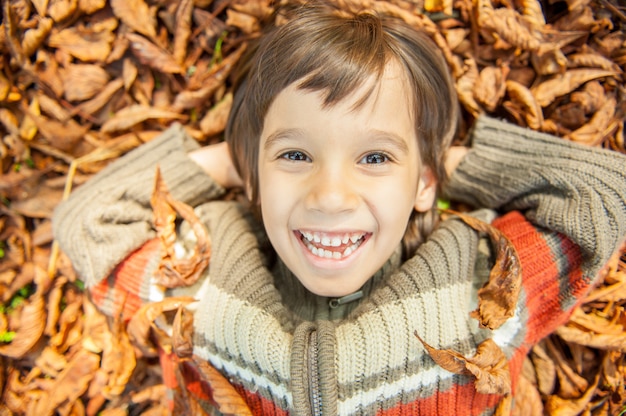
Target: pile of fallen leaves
x=84, y=81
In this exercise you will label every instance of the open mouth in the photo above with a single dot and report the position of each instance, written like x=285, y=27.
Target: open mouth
x=332, y=246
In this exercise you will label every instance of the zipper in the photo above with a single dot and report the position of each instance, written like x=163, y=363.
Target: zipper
x=314, y=376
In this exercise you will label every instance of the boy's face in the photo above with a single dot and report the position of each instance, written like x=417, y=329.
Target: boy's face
x=337, y=185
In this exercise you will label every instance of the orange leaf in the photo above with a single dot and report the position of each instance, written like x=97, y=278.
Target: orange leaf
x=153, y=56
x=136, y=14
x=227, y=398
x=132, y=115
x=546, y=92
x=174, y=271
x=489, y=366
x=498, y=298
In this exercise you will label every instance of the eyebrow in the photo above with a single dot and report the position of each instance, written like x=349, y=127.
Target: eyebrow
x=378, y=136
x=281, y=135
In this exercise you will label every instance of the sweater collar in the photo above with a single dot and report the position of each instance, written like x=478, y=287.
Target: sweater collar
x=306, y=306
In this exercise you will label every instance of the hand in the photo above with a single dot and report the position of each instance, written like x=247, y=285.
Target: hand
x=454, y=155
x=217, y=162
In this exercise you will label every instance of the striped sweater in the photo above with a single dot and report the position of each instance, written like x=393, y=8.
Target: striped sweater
x=290, y=352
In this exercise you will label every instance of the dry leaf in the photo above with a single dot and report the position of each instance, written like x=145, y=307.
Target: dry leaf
x=33, y=38
x=531, y=110
x=465, y=88
x=82, y=82
x=173, y=270
x=183, y=30
x=228, y=400
x=32, y=321
x=547, y=91
x=182, y=333
x=84, y=44
x=136, y=14
x=153, y=56
x=142, y=323
x=490, y=86
x=214, y=122
x=555, y=405
x=132, y=115
x=489, y=366
x=596, y=130
x=498, y=298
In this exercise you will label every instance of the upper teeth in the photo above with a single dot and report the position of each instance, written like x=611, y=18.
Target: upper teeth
x=331, y=241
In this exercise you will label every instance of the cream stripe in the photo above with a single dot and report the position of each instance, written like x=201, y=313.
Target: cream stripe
x=245, y=332
x=390, y=390
x=242, y=373
x=445, y=322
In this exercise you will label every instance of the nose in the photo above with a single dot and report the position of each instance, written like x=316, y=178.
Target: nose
x=332, y=191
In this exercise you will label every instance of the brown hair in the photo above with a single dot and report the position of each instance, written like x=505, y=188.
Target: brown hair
x=324, y=50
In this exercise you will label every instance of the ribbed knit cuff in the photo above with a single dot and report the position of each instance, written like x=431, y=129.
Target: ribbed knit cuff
x=110, y=216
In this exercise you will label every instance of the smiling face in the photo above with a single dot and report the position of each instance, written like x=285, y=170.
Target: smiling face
x=337, y=185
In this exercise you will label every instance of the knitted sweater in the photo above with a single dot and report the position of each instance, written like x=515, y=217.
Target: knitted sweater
x=288, y=351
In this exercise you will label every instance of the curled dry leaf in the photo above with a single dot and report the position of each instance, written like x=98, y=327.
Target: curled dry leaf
x=489, y=366
x=102, y=98
x=591, y=97
x=490, y=86
x=136, y=14
x=549, y=63
x=32, y=321
x=228, y=400
x=510, y=26
x=71, y=383
x=596, y=130
x=142, y=322
x=118, y=361
x=532, y=112
x=556, y=405
x=465, y=88
x=33, y=38
x=547, y=91
x=173, y=270
x=152, y=55
x=130, y=116
x=498, y=298
x=182, y=333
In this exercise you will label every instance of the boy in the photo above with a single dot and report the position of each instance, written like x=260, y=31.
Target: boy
x=338, y=135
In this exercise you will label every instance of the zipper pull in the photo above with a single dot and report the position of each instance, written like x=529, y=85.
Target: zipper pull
x=335, y=303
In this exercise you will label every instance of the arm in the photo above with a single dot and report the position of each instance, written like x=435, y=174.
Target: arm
x=110, y=216
x=575, y=190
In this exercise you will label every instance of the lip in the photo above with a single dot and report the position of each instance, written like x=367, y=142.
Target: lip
x=331, y=263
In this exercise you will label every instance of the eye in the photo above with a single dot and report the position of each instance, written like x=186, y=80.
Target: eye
x=375, y=158
x=295, y=156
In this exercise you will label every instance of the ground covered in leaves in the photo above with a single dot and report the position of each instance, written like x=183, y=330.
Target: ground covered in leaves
x=84, y=81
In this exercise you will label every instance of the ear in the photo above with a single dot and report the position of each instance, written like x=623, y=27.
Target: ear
x=426, y=191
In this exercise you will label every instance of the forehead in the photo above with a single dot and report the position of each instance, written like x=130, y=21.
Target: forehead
x=378, y=96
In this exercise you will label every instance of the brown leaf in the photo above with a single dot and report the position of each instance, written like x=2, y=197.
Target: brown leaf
x=84, y=44
x=228, y=400
x=142, y=323
x=510, y=26
x=527, y=399
x=490, y=86
x=248, y=24
x=32, y=320
x=547, y=91
x=556, y=405
x=596, y=130
x=132, y=115
x=183, y=30
x=136, y=14
x=82, y=81
x=465, y=88
x=118, y=361
x=498, y=298
x=60, y=10
x=549, y=63
x=545, y=369
x=174, y=271
x=489, y=366
x=182, y=333
x=71, y=383
x=91, y=6
x=152, y=55
x=33, y=38
x=531, y=110
x=214, y=122
x=102, y=98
